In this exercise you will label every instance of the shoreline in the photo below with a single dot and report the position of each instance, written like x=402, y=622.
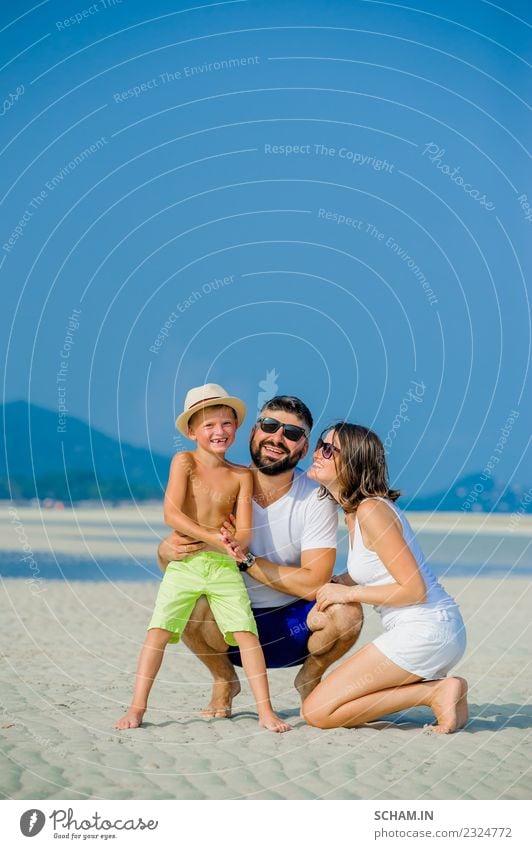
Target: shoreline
x=122, y=542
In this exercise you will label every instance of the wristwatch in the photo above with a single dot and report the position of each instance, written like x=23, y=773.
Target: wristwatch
x=247, y=562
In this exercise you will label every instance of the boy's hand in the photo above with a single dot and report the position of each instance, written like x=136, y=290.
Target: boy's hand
x=229, y=526
x=232, y=548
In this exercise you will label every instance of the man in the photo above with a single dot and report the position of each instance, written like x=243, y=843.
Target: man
x=292, y=554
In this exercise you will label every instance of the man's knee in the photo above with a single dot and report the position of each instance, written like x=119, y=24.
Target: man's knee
x=342, y=621
x=348, y=619
x=200, y=617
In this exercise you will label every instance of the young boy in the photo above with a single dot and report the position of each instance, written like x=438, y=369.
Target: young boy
x=203, y=490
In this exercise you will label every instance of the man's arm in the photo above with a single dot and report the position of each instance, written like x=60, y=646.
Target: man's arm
x=316, y=569
x=318, y=541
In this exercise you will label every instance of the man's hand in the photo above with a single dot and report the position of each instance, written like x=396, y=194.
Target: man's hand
x=345, y=579
x=177, y=546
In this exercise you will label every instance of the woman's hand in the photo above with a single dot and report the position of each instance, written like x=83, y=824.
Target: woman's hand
x=333, y=594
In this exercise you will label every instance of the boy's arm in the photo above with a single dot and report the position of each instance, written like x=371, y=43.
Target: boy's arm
x=244, y=510
x=174, y=517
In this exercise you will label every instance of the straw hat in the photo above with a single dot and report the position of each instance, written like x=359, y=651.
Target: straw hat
x=209, y=395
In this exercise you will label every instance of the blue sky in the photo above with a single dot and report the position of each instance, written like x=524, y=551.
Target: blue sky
x=331, y=194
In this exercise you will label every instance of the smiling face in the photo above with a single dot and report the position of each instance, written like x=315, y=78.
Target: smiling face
x=213, y=428
x=324, y=470
x=273, y=453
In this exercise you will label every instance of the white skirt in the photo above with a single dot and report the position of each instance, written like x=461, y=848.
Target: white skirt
x=427, y=644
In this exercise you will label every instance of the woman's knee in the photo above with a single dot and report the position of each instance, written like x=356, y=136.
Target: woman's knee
x=314, y=713
x=321, y=715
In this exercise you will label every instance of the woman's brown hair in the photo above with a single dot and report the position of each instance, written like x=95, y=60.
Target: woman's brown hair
x=361, y=466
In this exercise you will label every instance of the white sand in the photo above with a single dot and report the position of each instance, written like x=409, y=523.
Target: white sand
x=70, y=654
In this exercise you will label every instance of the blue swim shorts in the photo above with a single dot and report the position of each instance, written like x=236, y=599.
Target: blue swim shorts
x=283, y=634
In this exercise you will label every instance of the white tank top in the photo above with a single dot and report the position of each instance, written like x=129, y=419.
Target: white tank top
x=367, y=569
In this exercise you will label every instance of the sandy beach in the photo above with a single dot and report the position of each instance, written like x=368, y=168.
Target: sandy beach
x=70, y=649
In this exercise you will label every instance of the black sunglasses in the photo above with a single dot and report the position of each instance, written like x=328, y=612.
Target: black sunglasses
x=327, y=449
x=292, y=432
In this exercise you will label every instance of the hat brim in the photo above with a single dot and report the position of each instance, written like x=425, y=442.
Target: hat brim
x=237, y=405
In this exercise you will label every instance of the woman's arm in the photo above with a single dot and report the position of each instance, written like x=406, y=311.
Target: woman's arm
x=180, y=471
x=381, y=533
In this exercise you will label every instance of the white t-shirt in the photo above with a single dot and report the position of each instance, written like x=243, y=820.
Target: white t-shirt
x=296, y=522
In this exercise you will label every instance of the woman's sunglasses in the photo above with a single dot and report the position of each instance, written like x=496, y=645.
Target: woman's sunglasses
x=328, y=450
x=292, y=432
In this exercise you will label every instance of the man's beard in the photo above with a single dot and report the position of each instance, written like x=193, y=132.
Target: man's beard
x=273, y=467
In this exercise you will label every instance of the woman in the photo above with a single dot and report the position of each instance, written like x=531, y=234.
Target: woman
x=424, y=634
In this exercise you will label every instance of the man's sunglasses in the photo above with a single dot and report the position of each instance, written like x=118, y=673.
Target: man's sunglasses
x=291, y=432
x=328, y=450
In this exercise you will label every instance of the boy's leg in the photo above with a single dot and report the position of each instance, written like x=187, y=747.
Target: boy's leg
x=148, y=666
x=255, y=669
x=224, y=610
x=204, y=638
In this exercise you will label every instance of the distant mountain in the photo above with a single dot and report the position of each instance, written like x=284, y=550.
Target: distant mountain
x=472, y=494
x=35, y=456
x=78, y=464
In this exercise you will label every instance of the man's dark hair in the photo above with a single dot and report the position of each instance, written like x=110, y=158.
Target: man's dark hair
x=289, y=404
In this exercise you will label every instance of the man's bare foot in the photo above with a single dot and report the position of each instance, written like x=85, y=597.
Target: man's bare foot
x=450, y=706
x=223, y=693
x=132, y=719
x=272, y=722
x=306, y=681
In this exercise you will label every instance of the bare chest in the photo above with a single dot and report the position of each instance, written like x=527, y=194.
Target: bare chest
x=213, y=488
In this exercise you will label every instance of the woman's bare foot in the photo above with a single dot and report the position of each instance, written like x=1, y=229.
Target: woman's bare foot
x=272, y=722
x=220, y=705
x=132, y=719
x=450, y=706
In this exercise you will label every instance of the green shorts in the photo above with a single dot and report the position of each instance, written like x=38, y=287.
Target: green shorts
x=213, y=575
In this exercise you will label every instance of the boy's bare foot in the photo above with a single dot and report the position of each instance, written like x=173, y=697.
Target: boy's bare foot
x=220, y=705
x=273, y=723
x=132, y=719
x=450, y=706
